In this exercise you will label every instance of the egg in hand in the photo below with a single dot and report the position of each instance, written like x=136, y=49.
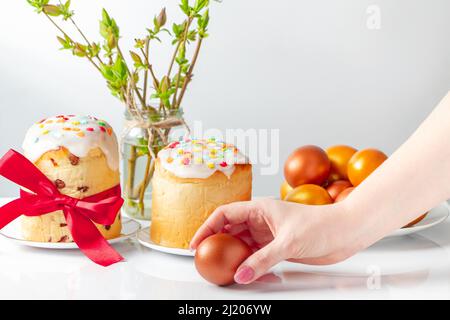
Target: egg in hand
x=218, y=257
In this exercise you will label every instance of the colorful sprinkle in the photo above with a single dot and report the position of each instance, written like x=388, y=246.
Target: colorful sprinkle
x=75, y=123
x=211, y=153
x=109, y=129
x=102, y=129
x=66, y=128
x=198, y=160
x=90, y=129
x=80, y=134
x=75, y=129
x=172, y=145
x=45, y=132
x=101, y=123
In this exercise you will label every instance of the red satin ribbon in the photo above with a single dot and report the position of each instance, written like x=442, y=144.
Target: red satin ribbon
x=101, y=208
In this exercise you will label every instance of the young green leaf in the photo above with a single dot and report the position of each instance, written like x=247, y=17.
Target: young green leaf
x=52, y=10
x=200, y=4
x=94, y=49
x=67, y=5
x=65, y=10
x=137, y=59
x=203, y=24
x=108, y=26
x=139, y=43
x=164, y=84
x=181, y=57
x=112, y=41
x=185, y=7
x=38, y=4
x=106, y=18
x=192, y=35
x=79, y=50
x=65, y=42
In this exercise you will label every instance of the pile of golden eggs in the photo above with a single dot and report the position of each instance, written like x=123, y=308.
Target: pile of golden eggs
x=314, y=176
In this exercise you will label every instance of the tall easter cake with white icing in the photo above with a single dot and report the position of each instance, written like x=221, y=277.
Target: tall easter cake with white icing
x=192, y=178
x=80, y=155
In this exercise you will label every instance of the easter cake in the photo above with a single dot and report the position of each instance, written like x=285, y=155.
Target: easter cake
x=80, y=155
x=192, y=178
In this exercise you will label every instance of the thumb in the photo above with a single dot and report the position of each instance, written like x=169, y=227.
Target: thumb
x=259, y=263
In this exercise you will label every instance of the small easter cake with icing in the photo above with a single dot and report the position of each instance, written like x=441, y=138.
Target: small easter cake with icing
x=80, y=155
x=192, y=178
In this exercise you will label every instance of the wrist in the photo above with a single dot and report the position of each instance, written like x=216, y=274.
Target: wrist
x=352, y=231
x=365, y=222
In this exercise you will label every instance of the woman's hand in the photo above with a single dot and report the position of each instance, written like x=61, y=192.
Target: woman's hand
x=412, y=181
x=279, y=230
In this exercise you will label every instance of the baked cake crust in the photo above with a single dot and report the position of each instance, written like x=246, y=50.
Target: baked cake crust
x=181, y=205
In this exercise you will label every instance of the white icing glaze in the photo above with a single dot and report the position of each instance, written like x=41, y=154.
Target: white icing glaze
x=200, y=158
x=78, y=134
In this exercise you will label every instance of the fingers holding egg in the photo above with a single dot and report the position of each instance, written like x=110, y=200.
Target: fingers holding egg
x=218, y=257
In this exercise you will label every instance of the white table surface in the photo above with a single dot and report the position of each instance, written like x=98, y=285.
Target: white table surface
x=416, y=266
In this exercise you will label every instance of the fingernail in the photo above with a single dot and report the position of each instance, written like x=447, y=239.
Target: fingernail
x=244, y=275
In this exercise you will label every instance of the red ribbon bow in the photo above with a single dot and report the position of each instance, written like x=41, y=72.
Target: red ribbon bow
x=101, y=208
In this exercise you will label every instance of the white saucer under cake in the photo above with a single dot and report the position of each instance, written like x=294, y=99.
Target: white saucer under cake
x=12, y=232
x=143, y=236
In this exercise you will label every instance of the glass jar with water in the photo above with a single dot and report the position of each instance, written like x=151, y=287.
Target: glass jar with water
x=137, y=158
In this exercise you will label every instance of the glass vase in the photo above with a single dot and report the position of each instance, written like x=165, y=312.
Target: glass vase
x=137, y=161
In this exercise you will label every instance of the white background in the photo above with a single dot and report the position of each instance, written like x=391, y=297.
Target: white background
x=309, y=68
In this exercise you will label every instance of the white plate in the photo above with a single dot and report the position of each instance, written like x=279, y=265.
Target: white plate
x=143, y=237
x=12, y=232
x=435, y=216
